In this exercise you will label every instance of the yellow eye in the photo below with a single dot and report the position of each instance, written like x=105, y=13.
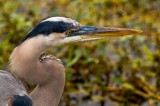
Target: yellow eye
x=68, y=32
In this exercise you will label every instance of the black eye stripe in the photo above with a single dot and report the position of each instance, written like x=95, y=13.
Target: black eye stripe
x=48, y=27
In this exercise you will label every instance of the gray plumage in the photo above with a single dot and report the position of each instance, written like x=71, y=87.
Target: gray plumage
x=9, y=86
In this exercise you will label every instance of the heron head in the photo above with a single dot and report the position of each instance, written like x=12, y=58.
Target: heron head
x=60, y=30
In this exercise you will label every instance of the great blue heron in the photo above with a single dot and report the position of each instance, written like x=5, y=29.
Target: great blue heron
x=30, y=65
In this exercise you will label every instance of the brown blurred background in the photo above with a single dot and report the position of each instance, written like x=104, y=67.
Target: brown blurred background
x=113, y=72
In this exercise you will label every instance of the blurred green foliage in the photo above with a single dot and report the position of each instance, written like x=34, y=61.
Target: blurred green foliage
x=120, y=71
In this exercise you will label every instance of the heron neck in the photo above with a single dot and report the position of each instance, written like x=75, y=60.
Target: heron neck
x=49, y=76
x=25, y=57
x=47, y=95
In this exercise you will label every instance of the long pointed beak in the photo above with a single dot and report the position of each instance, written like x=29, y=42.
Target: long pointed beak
x=86, y=33
x=103, y=31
